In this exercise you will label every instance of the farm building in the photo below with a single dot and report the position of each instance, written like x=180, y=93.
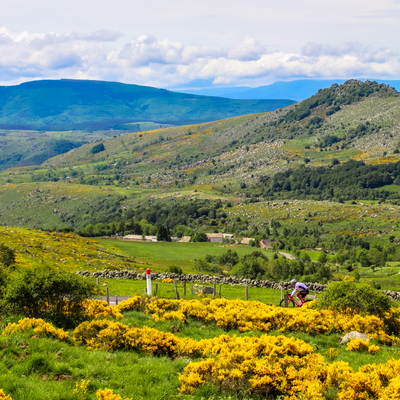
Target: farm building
x=215, y=237
x=141, y=238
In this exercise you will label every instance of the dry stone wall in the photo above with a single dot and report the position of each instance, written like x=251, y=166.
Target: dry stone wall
x=210, y=279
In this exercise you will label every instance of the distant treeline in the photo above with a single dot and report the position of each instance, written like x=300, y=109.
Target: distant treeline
x=348, y=181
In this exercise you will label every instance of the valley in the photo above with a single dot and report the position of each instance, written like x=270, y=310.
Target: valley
x=316, y=182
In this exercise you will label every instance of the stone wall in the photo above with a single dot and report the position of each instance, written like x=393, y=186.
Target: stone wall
x=200, y=278
x=210, y=279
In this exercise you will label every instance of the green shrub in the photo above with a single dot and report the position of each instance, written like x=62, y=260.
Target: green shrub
x=48, y=292
x=97, y=148
x=174, y=269
x=200, y=237
x=7, y=255
x=363, y=298
x=204, y=266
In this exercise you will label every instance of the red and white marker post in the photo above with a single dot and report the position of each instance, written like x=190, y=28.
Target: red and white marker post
x=148, y=279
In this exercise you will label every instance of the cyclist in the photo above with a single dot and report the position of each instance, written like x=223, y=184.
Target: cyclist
x=300, y=290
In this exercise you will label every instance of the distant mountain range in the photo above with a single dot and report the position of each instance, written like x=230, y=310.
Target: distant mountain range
x=296, y=90
x=96, y=105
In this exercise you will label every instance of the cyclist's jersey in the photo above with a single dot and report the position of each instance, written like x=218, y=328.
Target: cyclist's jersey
x=299, y=288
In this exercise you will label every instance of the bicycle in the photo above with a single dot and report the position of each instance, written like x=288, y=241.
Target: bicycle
x=291, y=302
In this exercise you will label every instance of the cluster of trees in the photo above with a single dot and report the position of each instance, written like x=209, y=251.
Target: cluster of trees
x=257, y=266
x=347, y=181
x=180, y=216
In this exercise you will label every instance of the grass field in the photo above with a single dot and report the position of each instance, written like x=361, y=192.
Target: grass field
x=183, y=255
x=129, y=287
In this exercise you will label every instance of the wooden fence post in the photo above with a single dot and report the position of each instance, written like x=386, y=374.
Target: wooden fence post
x=116, y=299
x=247, y=292
x=184, y=288
x=108, y=295
x=220, y=285
x=215, y=289
x=191, y=289
x=176, y=291
x=286, y=300
x=281, y=293
x=155, y=292
x=315, y=294
x=98, y=282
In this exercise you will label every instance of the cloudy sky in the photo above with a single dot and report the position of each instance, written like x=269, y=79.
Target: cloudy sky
x=175, y=43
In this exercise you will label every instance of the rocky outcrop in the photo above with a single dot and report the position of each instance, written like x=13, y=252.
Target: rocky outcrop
x=353, y=335
x=392, y=295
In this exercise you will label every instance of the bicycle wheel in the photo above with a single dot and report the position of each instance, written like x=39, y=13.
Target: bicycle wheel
x=290, y=303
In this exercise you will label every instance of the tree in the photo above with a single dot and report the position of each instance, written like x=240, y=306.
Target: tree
x=97, y=148
x=163, y=234
x=200, y=237
x=121, y=227
x=322, y=257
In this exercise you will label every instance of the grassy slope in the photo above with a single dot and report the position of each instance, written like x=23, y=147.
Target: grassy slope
x=27, y=147
x=35, y=368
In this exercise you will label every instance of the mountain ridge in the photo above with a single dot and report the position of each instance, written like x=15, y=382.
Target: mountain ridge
x=83, y=104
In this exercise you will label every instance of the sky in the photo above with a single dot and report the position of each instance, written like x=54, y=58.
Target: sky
x=207, y=43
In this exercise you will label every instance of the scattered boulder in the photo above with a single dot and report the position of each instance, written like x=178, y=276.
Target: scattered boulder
x=353, y=335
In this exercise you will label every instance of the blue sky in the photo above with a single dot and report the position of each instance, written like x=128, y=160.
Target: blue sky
x=176, y=43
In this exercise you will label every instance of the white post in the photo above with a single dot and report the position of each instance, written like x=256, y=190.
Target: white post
x=148, y=279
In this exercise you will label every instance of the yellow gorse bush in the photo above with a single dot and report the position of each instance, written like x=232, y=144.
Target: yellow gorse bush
x=167, y=280
x=332, y=353
x=252, y=315
x=101, y=309
x=80, y=390
x=108, y=394
x=3, y=396
x=40, y=327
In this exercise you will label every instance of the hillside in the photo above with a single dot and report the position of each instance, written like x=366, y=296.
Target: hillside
x=352, y=121
x=253, y=158
x=80, y=104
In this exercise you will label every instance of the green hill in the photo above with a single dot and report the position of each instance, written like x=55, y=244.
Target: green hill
x=80, y=104
x=299, y=152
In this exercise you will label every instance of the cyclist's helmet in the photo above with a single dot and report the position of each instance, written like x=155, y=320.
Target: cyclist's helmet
x=293, y=281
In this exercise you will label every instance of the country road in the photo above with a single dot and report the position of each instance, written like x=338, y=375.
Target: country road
x=287, y=255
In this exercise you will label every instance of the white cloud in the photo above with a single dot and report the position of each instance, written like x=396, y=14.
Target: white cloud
x=165, y=63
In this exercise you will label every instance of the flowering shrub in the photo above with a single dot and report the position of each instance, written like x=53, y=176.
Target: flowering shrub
x=3, y=396
x=136, y=303
x=357, y=345
x=332, y=353
x=100, y=308
x=362, y=345
x=108, y=394
x=247, y=316
x=101, y=335
x=372, y=381
x=259, y=365
x=167, y=280
x=41, y=328
x=80, y=390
